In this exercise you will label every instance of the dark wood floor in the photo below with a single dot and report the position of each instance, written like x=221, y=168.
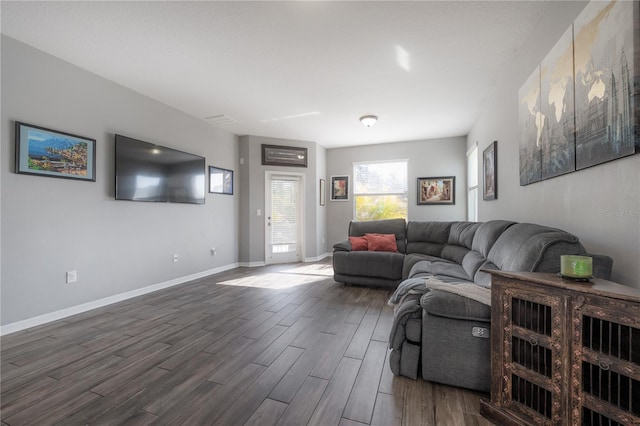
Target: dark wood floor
x=281, y=344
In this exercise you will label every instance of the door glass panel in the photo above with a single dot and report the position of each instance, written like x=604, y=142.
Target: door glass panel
x=283, y=215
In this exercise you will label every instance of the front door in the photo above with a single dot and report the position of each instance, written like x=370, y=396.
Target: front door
x=283, y=218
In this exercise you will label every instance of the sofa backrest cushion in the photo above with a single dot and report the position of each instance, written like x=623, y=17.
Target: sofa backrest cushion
x=462, y=233
x=460, y=241
x=385, y=226
x=487, y=234
x=427, y=237
x=472, y=262
x=531, y=247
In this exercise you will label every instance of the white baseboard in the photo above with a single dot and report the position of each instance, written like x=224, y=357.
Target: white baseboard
x=317, y=258
x=306, y=260
x=251, y=264
x=78, y=309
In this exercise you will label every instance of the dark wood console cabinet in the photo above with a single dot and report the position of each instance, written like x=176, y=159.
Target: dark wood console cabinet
x=563, y=353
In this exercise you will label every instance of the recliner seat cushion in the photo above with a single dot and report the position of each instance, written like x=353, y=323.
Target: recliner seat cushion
x=379, y=264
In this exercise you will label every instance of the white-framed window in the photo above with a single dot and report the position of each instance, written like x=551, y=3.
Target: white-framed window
x=472, y=184
x=380, y=190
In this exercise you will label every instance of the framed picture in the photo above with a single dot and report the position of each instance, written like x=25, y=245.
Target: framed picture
x=323, y=192
x=436, y=190
x=220, y=180
x=274, y=155
x=46, y=152
x=339, y=188
x=490, y=172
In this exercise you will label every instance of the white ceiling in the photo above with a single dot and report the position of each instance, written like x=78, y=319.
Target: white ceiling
x=294, y=70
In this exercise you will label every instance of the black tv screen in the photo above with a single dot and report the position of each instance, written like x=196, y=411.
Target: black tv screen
x=148, y=172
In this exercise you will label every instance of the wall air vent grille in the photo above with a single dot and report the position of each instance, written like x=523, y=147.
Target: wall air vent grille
x=221, y=120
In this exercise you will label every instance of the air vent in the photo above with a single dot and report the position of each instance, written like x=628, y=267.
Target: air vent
x=221, y=120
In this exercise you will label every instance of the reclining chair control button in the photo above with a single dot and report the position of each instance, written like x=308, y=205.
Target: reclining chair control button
x=480, y=332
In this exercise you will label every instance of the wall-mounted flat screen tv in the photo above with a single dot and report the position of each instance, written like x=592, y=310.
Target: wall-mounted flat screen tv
x=148, y=172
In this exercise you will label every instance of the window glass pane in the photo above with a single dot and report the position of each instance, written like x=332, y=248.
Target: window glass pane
x=472, y=205
x=380, y=178
x=380, y=190
x=283, y=215
x=375, y=207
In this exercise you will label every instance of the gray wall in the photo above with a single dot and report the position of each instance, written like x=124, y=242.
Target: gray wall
x=600, y=205
x=252, y=172
x=435, y=157
x=321, y=211
x=50, y=226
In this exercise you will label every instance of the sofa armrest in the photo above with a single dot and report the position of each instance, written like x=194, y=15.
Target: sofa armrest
x=449, y=305
x=342, y=246
x=602, y=266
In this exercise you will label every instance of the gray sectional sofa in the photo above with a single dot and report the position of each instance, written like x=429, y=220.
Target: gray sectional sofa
x=442, y=314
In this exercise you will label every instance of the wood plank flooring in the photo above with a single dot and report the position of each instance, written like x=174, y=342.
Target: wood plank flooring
x=277, y=345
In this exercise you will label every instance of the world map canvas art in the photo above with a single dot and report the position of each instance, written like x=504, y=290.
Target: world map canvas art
x=529, y=116
x=581, y=106
x=557, y=137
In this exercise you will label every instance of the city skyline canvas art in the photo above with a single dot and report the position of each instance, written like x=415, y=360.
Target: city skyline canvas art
x=606, y=79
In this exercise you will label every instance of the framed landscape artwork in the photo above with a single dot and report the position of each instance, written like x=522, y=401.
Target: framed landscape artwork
x=220, y=181
x=436, y=190
x=46, y=152
x=339, y=188
x=490, y=172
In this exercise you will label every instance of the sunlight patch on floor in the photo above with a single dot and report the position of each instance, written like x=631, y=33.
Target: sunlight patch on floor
x=284, y=276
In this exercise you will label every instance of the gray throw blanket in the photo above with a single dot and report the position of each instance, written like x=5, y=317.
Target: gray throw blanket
x=406, y=287
x=409, y=309
x=469, y=290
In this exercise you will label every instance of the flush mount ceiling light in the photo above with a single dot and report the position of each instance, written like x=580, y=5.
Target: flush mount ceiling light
x=368, y=120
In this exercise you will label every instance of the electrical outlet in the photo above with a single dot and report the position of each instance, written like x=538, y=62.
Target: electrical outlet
x=175, y=257
x=72, y=277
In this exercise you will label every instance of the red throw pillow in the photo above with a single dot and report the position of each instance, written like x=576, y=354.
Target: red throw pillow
x=359, y=243
x=381, y=242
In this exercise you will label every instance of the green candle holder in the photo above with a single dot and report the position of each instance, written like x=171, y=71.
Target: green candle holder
x=578, y=268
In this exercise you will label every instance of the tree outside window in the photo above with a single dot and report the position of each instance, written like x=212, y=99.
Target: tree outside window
x=380, y=190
